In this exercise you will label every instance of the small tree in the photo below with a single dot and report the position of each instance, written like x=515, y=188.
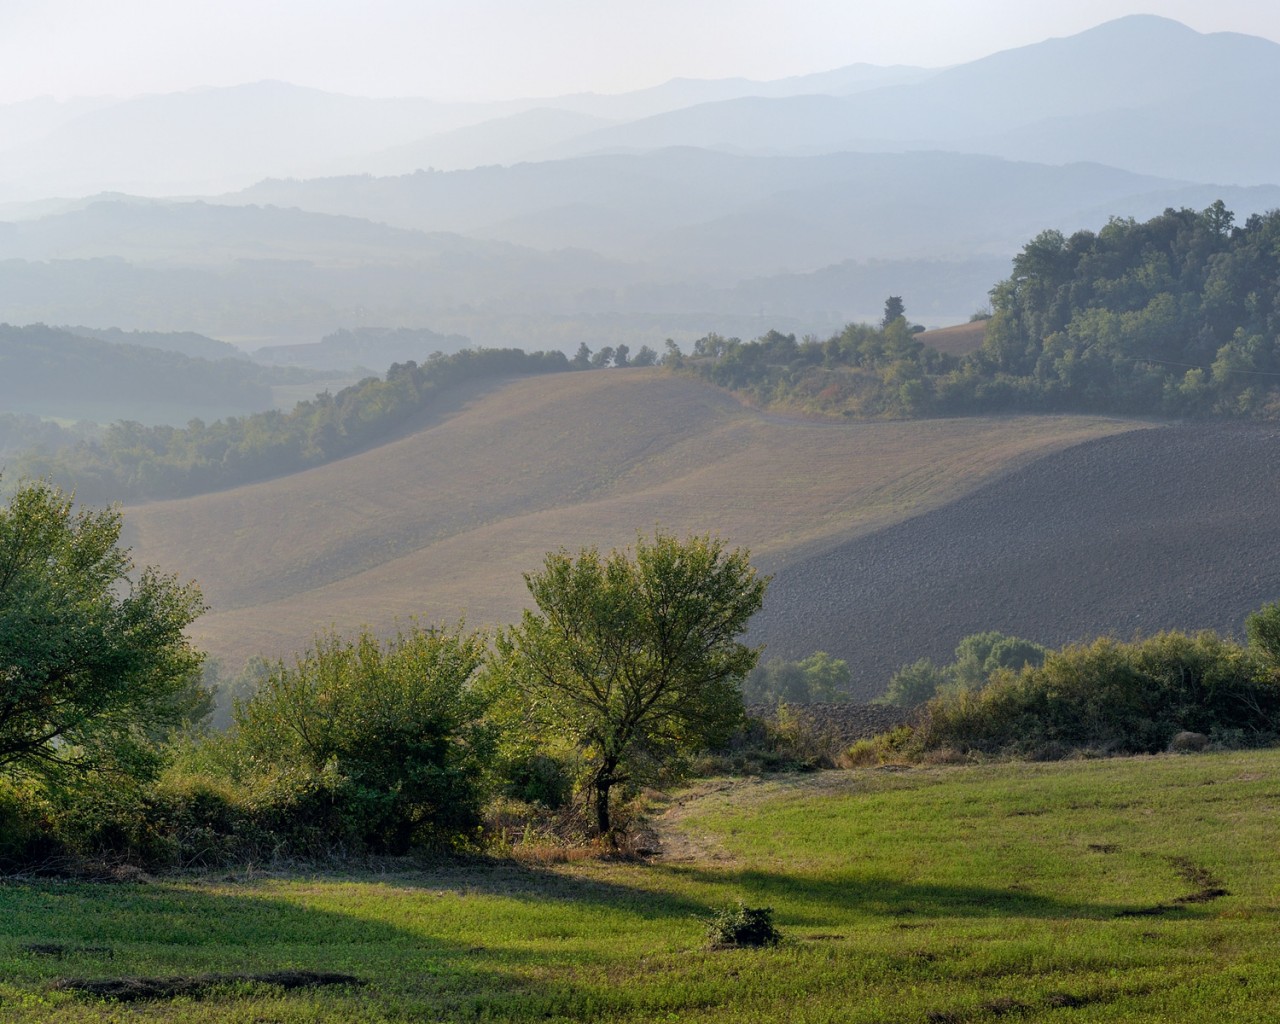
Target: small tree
x=94, y=661
x=893, y=310
x=635, y=657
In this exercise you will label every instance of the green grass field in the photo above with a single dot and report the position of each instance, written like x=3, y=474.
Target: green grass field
x=1076, y=891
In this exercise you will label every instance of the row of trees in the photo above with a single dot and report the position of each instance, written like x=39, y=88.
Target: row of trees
x=134, y=462
x=627, y=666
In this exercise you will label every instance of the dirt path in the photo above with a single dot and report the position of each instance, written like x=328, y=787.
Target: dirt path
x=673, y=831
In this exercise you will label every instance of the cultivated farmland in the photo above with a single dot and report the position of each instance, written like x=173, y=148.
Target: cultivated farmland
x=443, y=521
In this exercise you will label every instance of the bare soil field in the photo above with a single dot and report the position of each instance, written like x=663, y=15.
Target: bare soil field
x=442, y=522
x=1172, y=528
x=959, y=340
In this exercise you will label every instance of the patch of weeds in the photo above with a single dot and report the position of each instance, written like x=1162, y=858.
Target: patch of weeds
x=738, y=926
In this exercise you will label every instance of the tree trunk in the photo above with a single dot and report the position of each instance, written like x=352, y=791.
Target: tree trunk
x=602, y=783
x=602, y=807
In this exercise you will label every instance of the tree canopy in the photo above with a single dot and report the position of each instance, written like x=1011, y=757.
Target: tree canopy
x=635, y=657
x=93, y=658
x=1177, y=316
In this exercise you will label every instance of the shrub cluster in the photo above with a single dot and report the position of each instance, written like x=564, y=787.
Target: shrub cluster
x=1111, y=697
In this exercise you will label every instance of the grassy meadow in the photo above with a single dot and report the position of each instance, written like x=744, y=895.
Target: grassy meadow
x=442, y=521
x=1141, y=889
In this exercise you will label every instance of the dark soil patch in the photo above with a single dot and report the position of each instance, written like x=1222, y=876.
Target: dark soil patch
x=1144, y=911
x=1210, y=888
x=1170, y=528
x=128, y=990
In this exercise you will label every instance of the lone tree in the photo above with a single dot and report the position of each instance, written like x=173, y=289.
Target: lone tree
x=92, y=660
x=636, y=657
x=893, y=308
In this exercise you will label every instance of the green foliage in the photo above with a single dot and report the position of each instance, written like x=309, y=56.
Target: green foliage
x=634, y=658
x=980, y=655
x=1263, y=630
x=379, y=746
x=1176, y=316
x=977, y=658
x=134, y=462
x=819, y=678
x=737, y=926
x=914, y=684
x=1113, y=697
x=96, y=663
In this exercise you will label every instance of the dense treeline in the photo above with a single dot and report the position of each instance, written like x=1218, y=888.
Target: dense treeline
x=20, y=432
x=1176, y=316
x=134, y=462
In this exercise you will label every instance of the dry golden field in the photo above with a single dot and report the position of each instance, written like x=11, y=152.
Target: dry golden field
x=442, y=522
x=959, y=340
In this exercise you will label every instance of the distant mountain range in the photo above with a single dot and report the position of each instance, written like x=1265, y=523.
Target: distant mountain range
x=727, y=205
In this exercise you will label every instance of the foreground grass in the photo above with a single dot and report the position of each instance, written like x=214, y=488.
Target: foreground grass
x=1066, y=892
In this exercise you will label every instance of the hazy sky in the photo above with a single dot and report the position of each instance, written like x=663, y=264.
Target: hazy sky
x=489, y=49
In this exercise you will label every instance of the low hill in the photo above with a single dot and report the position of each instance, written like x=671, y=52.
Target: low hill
x=50, y=371
x=1174, y=528
x=958, y=340
x=444, y=520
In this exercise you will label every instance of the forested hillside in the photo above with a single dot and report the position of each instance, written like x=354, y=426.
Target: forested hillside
x=55, y=372
x=1177, y=316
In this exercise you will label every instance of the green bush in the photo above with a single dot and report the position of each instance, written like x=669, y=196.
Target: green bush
x=819, y=678
x=371, y=746
x=977, y=658
x=738, y=926
x=1113, y=697
x=26, y=839
x=537, y=777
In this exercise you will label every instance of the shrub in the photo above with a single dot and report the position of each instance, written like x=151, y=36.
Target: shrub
x=26, y=840
x=738, y=926
x=880, y=749
x=377, y=747
x=913, y=685
x=1112, y=697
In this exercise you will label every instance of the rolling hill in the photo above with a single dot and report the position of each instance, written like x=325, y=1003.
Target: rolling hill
x=443, y=521
x=1173, y=528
